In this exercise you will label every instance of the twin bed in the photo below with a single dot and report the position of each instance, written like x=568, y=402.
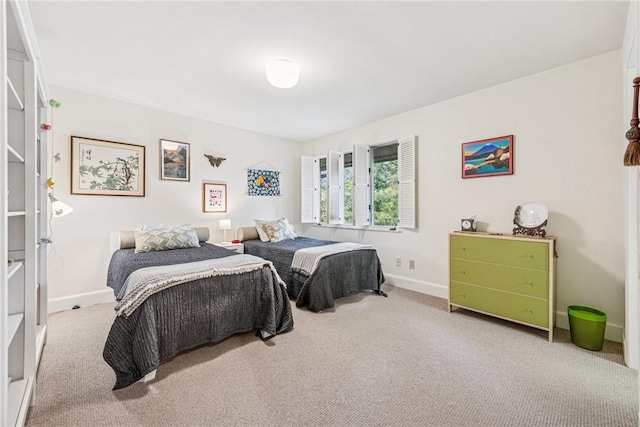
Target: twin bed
x=328, y=271
x=170, y=301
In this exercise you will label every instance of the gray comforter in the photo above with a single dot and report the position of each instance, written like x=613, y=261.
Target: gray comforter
x=336, y=276
x=184, y=316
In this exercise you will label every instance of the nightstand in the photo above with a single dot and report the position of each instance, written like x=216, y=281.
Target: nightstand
x=236, y=247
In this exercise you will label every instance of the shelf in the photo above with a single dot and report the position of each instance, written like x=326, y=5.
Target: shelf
x=24, y=107
x=13, y=268
x=14, y=100
x=17, y=395
x=14, y=324
x=14, y=155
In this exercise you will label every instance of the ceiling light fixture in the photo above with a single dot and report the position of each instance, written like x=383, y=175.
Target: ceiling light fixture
x=282, y=73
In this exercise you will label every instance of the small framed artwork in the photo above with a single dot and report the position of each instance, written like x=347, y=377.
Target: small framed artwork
x=175, y=159
x=106, y=168
x=488, y=157
x=214, y=197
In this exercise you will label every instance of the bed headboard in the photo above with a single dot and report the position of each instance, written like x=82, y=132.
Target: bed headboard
x=126, y=239
x=247, y=233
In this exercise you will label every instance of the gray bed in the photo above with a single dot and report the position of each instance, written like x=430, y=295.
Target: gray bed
x=336, y=276
x=148, y=331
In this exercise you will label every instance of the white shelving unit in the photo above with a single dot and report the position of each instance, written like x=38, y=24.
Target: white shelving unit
x=23, y=212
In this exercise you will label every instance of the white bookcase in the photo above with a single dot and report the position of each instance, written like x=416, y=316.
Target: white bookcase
x=23, y=211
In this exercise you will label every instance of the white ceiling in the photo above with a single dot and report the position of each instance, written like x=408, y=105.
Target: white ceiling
x=360, y=61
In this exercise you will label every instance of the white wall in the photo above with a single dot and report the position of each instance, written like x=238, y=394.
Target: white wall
x=567, y=154
x=79, y=258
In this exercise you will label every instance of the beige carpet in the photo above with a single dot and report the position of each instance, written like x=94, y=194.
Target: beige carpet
x=401, y=361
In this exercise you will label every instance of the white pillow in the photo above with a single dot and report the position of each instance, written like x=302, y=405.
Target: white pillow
x=278, y=230
x=291, y=232
x=260, y=229
x=275, y=231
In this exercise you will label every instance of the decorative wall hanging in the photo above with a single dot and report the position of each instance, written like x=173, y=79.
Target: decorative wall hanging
x=175, y=158
x=488, y=157
x=215, y=161
x=632, y=153
x=106, y=168
x=263, y=182
x=214, y=197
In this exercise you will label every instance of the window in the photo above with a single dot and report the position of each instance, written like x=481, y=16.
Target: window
x=370, y=186
x=348, y=188
x=323, y=190
x=385, y=184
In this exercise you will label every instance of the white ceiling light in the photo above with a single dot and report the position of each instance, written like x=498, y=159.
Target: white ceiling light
x=282, y=73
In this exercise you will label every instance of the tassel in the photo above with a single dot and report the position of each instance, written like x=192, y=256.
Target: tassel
x=632, y=153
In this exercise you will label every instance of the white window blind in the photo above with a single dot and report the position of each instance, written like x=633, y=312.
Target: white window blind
x=407, y=182
x=361, y=190
x=310, y=171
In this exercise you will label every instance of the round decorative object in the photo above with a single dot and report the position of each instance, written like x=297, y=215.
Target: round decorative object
x=530, y=217
x=531, y=214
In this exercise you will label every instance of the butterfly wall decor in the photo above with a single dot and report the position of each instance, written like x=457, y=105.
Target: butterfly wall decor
x=215, y=161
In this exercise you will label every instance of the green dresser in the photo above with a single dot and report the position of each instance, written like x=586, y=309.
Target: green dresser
x=510, y=277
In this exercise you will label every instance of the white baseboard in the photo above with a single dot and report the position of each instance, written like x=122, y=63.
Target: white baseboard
x=612, y=332
x=417, y=285
x=82, y=300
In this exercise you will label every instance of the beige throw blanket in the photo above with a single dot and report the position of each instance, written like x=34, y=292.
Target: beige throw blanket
x=307, y=259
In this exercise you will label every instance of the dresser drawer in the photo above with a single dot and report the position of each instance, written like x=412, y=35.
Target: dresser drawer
x=534, y=283
x=525, y=309
x=517, y=253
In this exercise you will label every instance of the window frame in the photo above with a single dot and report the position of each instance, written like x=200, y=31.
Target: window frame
x=362, y=164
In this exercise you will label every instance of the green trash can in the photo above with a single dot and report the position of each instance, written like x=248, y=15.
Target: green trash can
x=587, y=327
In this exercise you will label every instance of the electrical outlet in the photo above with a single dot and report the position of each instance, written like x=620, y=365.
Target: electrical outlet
x=398, y=262
x=412, y=264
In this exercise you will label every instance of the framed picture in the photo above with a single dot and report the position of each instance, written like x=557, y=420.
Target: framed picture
x=488, y=157
x=175, y=159
x=214, y=197
x=106, y=168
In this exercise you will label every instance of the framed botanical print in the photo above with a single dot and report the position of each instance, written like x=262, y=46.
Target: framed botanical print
x=106, y=168
x=175, y=159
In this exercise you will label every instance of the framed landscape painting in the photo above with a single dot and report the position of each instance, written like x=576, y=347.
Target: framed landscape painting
x=488, y=157
x=106, y=168
x=175, y=160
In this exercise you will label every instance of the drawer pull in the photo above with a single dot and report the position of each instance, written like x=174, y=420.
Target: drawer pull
x=530, y=283
x=530, y=255
x=463, y=272
x=530, y=311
